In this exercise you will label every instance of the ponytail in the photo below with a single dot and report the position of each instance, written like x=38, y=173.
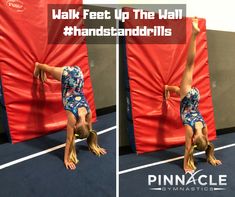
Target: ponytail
x=92, y=143
x=93, y=146
x=210, y=155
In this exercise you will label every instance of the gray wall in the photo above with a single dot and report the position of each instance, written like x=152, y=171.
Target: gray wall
x=221, y=53
x=102, y=60
x=221, y=50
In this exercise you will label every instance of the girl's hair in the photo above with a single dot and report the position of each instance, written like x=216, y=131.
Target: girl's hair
x=92, y=143
x=209, y=153
x=201, y=143
x=81, y=132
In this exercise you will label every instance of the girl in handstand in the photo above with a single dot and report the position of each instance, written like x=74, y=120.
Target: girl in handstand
x=77, y=109
x=195, y=126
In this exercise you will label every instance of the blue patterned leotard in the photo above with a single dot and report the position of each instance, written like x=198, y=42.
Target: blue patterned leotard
x=72, y=90
x=189, y=109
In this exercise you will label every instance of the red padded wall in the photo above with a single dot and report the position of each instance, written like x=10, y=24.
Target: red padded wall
x=34, y=109
x=157, y=124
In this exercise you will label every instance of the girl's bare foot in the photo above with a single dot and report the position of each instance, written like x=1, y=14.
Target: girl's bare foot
x=42, y=76
x=166, y=93
x=45, y=76
x=195, y=27
x=39, y=73
x=36, y=70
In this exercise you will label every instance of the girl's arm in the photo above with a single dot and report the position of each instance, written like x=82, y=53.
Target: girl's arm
x=188, y=145
x=69, y=140
x=211, y=155
x=205, y=132
x=89, y=120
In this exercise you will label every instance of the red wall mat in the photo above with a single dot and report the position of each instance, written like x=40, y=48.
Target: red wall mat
x=157, y=124
x=34, y=109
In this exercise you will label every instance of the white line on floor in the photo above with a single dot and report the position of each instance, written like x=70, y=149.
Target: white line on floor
x=156, y=188
x=219, y=189
x=168, y=160
x=47, y=150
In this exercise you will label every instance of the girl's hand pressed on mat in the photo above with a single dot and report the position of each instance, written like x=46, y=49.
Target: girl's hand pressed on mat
x=187, y=169
x=215, y=162
x=190, y=171
x=98, y=150
x=69, y=165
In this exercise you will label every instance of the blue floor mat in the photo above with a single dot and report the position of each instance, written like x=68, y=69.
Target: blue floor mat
x=136, y=182
x=46, y=175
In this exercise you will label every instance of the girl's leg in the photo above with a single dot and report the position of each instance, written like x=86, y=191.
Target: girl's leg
x=55, y=72
x=187, y=78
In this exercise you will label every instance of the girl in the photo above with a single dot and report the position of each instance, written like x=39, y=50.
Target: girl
x=195, y=126
x=77, y=109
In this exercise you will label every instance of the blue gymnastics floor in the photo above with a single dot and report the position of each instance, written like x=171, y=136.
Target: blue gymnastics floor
x=46, y=175
x=135, y=182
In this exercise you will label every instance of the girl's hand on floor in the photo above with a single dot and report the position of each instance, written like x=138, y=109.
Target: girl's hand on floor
x=98, y=150
x=215, y=162
x=69, y=165
x=218, y=162
x=103, y=151
x=188, y=170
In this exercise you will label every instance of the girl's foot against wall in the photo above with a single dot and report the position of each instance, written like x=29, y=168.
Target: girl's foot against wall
x=36, y=70
x=195, y=28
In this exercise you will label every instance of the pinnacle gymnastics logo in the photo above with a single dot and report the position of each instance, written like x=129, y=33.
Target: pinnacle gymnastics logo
x=15, y=5
x=187, y=182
